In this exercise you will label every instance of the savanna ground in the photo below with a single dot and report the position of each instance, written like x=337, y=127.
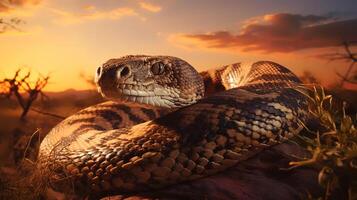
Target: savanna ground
x=13, y=129
x=20, y=139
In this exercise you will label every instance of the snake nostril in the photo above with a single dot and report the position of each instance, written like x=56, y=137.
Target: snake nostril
x=124, y=72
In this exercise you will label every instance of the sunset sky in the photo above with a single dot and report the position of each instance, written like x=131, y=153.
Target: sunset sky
x=64, y=38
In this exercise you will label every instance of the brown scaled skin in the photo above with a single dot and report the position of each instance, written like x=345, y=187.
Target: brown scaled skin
x=195, y=141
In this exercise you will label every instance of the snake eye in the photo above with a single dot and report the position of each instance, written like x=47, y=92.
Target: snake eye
x=158, y=68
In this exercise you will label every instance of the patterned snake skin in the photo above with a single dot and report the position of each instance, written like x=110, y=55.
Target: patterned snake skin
x=101, y=150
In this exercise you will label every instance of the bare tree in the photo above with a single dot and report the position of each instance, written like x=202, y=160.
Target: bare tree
x=23, y=90
x=353, y=59
x=348, y=56
x=8, y=24
x=89, y=79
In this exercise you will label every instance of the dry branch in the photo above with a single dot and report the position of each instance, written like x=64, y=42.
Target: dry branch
x=12, y=23
x=347, y=56
x=23, y=90
x=346, y=80
x=47, y=113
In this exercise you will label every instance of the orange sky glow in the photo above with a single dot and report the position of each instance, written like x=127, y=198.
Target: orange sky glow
x=66, y=38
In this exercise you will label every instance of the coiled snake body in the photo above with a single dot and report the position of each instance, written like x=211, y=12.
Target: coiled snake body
x=100, y=148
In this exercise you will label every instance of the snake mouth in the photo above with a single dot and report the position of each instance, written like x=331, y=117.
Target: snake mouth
x=141, y=90
x=151, y=94
x=147, y=94
x=150, y=100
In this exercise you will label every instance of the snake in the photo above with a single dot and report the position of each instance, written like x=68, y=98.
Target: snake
x=165, y=123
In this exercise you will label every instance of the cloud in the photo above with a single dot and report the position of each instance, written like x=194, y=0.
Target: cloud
x=90, y=13
x=280, y=32
x=89, y=7
x=7, y=5
x=150, y=7
x=3, y=7
x=23, y=2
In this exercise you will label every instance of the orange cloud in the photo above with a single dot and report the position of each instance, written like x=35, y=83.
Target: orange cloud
x=3, y=7
x=280, y=32
x=91, y=13
x=7, y=5
x=89, y=7
x=23, y=2
x=150, y=7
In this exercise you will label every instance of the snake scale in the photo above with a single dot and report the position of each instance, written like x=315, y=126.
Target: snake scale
x=174, y=132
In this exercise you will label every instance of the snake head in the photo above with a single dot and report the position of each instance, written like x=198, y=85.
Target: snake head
x=163, y=81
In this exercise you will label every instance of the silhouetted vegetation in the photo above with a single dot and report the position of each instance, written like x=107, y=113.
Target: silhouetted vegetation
x=89, y=79
x=10, y=24
x=349, y=56
x=333, y=146
x=24, y=91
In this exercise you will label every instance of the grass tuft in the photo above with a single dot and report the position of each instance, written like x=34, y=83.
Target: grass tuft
x=333, y=146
